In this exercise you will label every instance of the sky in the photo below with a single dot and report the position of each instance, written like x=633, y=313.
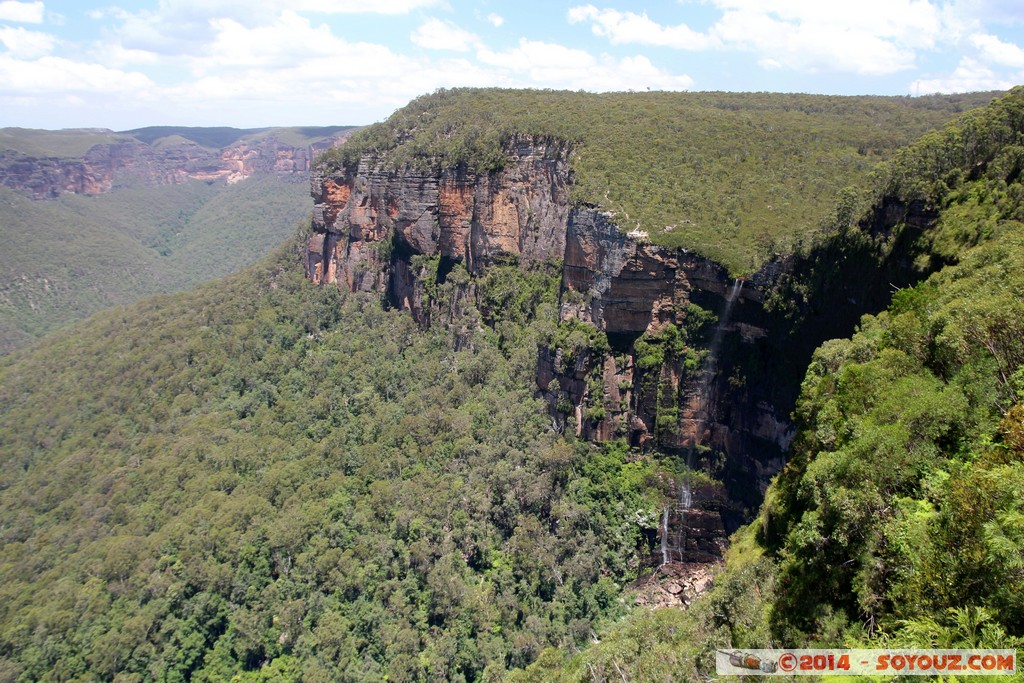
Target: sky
x=248, y=64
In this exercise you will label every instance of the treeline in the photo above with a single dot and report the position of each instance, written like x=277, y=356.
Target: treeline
x=730, y=175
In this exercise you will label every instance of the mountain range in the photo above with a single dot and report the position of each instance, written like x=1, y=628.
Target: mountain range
x=94, y=218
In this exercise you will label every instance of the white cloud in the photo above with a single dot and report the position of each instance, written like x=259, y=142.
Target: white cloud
x=629, y=28
x=175, y=30
x=179, y=28
x=821, y=44
x=290, y=60
x=117, y=56
x=247, y=12
x=555, y=66
x=283, y=43
x=435, y=34
x=871, y=37
x=57, y=74
x=994, y=50
x=356, y=6
x=532, y=54
x=496, y=20
x=22, y=12
x=912, y=22
x=26, y=44
x=969, y=76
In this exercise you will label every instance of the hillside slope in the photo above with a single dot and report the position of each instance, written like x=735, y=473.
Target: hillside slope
x=119, y=216
x=732, y=176
x=67, y=258
x=897, y=519
x=266, y=479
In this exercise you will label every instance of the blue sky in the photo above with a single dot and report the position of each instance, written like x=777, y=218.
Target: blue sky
x=245, y=63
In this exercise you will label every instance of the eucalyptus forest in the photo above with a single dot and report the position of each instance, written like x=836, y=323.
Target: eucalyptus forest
x=266, y=479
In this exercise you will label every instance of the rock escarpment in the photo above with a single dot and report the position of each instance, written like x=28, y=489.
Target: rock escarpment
x=131, y=162
x=371, y=224
x=691, y=361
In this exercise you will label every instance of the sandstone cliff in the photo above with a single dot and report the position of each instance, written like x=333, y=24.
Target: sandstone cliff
x=131, y=162
x=696, y=363
x=369, y=223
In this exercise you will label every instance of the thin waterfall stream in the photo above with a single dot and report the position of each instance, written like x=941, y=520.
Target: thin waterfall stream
x=685, y=501
x=664, y=537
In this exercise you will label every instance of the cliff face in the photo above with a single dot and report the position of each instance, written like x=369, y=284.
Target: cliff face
x=698, y=365
x=369, y=224
x=107, y=166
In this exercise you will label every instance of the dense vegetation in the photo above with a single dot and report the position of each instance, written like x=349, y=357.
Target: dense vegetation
x=70, y=257
x=265, y=479
x=902, y=497
x=898, y=520
x=732, y=176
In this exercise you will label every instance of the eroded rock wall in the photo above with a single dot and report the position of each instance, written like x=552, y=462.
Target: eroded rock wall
x=107, y=166
x=373, y=227
x=364, y=218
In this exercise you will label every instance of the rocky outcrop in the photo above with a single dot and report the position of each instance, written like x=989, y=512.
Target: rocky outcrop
x=374, y=226
x=362, y=218
x=108, y=166
x=629, y=286
x=47, y=178
x=695, y=362
x=677, y=355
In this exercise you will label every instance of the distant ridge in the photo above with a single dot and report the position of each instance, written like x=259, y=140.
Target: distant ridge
x=224, y=136
x=153, y=210
x=220, y=136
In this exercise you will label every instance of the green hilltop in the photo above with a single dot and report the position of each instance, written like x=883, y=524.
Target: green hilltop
x=733, y=176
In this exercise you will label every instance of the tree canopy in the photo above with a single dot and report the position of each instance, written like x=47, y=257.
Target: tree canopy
x=725, y=174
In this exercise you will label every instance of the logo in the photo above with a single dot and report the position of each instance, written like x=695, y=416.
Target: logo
x=836, y=662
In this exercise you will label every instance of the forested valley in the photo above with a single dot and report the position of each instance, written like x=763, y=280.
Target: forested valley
x=263, y=479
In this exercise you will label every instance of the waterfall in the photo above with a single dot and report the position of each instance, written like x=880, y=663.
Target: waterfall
x=683, y=506
x=685, y=501
x=716, y=343
x=737, y=285
x=664, y=537
x=685, y=497
x=723, y=320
